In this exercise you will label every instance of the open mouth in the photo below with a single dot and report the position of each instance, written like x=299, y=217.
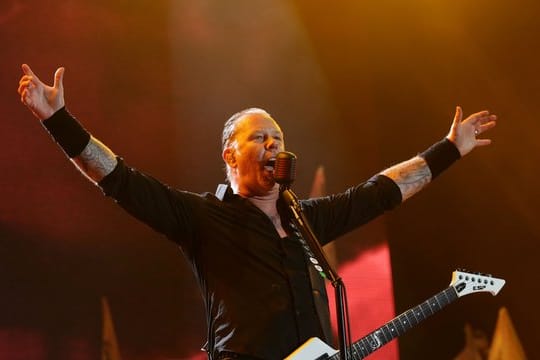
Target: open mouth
x=270, y=164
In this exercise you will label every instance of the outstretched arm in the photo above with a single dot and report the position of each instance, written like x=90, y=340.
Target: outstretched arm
x=92, y=158
x=96, y=160
x=413, y=175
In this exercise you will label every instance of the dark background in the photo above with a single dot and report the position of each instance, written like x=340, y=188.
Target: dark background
x=356, y=86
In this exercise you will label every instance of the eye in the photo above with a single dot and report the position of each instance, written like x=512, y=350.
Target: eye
x=257, y=137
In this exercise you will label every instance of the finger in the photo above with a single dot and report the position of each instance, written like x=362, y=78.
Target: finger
x=486, y=119
x=59, y=78
x=23, y=85
x=25, y=78
x=29, y=73
x=26, y=70
x=457, y=117
x=25, y=99
x=480, y=114
x=483, y=142
x=474, y=118
x=485, y=127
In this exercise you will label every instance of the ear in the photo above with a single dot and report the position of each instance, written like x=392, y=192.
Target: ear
x=229, y=157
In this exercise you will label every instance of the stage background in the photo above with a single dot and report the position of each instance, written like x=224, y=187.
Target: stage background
x=356, y=86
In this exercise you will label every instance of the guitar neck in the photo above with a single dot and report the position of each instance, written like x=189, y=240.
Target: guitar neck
x=400, y=324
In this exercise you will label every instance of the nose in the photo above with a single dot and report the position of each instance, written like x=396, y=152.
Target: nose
x=271, y=143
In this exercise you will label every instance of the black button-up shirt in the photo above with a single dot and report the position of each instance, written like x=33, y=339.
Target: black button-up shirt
x=256, y=286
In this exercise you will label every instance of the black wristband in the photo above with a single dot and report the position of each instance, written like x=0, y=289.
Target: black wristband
x=67, y=132
x=440, y=156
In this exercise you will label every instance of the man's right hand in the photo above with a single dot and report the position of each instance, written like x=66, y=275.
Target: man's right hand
x=41, y=99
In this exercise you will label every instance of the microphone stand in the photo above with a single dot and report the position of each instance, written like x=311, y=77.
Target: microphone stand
x=301, y=222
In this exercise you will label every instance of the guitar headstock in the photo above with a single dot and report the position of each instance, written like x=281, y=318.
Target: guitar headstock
x=466, y=282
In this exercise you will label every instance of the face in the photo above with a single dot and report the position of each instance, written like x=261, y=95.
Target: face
x=257, y=139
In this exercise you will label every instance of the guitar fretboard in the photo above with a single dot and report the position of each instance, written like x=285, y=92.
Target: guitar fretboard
x=400, y=324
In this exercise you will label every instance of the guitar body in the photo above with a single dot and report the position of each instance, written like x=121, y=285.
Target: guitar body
x=313, y=349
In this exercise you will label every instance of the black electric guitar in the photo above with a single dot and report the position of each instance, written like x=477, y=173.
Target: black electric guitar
x=463, y=283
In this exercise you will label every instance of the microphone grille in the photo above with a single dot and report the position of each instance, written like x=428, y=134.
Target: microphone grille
x=285, y=168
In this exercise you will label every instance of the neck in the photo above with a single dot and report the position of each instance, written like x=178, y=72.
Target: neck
x=268, y=205
x=265, y=202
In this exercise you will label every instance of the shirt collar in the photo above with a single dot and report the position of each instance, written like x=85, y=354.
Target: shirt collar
x=224, y=192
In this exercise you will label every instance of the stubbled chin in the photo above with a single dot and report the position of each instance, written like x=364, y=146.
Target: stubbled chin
x=268, y=176
x=268, y=184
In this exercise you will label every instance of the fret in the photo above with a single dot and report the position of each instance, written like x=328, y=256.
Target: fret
x=395, y=331
x=418, y=314
x=441, y=300
x=426, y=308
x=360, y=349
x=411, y=318
x=390, y=331
x=451, y=293
x=387, y=334
x=416, y=320
x=404, y=322
x=446, y=295
x=375, y=339
x=433, y=305
x=395, y=325
x=366, y=347
x=398, y=325
x=360, y=352
x=354, y=353
x=421, y=312
x=368, y=344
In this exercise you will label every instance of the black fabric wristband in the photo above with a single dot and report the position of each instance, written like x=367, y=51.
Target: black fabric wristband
x=440, y=156
x=67, y=132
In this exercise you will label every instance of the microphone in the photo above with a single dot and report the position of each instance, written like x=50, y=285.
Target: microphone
x=285, y=168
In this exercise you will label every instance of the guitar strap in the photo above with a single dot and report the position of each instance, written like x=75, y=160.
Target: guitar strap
x=320, y=298
x=318, y=286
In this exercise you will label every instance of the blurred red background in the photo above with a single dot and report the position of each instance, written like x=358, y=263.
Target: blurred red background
x=356, y=86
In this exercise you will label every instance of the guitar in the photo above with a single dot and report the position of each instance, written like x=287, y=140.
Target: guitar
x=463, y=283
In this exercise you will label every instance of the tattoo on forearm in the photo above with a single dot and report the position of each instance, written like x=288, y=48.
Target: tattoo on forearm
x=411, y=176
x=96, y=160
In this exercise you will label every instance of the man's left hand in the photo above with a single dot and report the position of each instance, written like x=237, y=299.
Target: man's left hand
x=464, y=133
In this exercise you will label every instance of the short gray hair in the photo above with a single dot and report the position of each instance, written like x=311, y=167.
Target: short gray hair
x=229, y=128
